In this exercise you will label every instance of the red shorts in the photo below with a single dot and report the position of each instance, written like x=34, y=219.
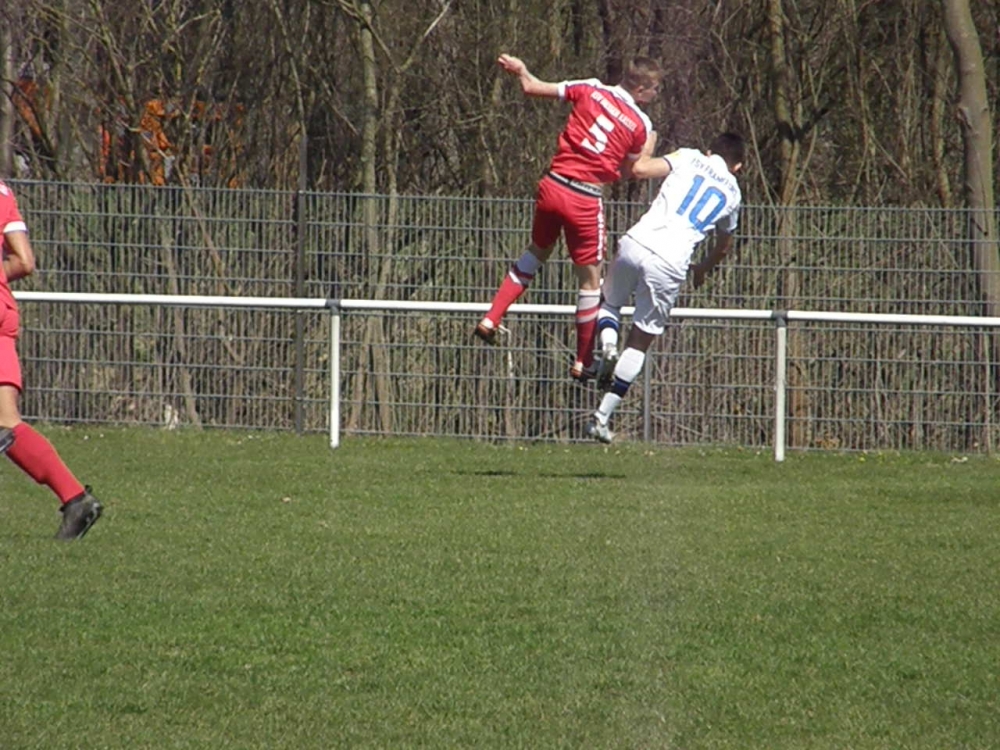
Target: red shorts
x=10, y=365
x=561, y=208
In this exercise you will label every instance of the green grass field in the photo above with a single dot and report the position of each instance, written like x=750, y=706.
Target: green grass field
x=263, y=591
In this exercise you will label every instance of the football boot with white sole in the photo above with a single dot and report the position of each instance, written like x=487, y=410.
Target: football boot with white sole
x=599, y=432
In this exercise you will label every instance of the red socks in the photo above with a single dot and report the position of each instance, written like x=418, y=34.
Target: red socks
x=39, y=460
x=506, y=296
x=515, y=283
x=588, y=304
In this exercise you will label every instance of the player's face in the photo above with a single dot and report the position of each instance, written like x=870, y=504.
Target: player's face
x=646, y=94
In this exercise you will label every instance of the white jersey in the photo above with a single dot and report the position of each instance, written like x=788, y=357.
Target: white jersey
x=698, y=195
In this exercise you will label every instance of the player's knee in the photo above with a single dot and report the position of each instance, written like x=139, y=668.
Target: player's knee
x=6, y=439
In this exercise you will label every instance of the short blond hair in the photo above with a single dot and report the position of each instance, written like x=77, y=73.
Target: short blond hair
x=642, y=72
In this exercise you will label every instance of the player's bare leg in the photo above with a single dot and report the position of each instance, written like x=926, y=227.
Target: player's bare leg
x=9, y=417
x=6, y=439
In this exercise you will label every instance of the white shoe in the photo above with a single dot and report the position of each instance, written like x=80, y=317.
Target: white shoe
x=599, y=432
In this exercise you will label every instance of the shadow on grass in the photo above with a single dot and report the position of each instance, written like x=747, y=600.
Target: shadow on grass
x=581, y=475
x=541, y=475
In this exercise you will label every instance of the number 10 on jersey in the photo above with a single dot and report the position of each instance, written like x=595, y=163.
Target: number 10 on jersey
x=703, y=211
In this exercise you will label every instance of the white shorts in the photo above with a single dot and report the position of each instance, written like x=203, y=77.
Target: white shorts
x=656, y=284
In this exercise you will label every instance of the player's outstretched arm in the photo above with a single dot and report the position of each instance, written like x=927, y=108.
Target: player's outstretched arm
x=648, y=167
x=530, y=85
x=628, y=166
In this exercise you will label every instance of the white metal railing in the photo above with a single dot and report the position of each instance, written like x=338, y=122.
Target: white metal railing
x=336, y=308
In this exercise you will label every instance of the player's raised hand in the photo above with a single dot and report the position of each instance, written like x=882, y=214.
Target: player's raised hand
x=529, y=84
x=513, y=65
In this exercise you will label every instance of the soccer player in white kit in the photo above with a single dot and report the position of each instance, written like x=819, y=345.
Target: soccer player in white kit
x=700, y=194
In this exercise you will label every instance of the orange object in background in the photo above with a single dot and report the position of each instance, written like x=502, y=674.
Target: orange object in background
x=119, y=162
x=148, y=153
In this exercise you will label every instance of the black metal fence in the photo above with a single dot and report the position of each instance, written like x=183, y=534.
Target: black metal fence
x=852, y=386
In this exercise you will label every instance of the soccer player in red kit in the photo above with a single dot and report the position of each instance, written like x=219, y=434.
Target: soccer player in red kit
x=604, y=133
x=22, y=444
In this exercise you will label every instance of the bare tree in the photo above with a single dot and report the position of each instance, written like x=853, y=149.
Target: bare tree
x=842, y=101
x=6, y=95
x=976, y=124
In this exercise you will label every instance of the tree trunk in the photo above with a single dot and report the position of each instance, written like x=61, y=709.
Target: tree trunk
x=369, y=186
x=975, y=121
x=937, y=121
x=6, y=107
x=787, y=192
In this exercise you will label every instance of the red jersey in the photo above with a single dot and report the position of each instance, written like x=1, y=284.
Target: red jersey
x=10, y=221
x=604, y=128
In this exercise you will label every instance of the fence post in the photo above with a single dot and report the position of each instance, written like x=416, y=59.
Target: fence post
x=647, y=397
x=334, y=307
x=780, y=372
x=300, y=288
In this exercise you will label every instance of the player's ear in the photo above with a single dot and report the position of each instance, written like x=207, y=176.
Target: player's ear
x=737, y=167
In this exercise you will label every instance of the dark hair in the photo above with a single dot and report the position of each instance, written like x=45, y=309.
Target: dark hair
x=641, y=71
x=730, y=147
